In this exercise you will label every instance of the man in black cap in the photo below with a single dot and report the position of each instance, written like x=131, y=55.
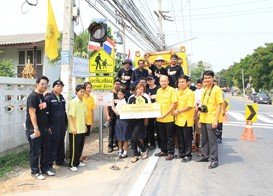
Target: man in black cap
x=151, y=91
x=125, y=75
x=57, y=122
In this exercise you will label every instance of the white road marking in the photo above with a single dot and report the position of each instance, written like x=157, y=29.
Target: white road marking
x=142, y=180
x=255, y=125
x=237, y=116
x=264, y=118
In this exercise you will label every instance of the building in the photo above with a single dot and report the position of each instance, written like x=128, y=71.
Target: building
x=19, y=48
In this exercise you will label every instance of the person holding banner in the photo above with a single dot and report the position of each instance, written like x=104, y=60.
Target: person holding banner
x=184, y=118
x=166, y=97
x=121, y=133
x=137, y=126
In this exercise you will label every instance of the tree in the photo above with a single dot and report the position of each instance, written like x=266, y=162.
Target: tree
x=6, y=67
x=197, y=71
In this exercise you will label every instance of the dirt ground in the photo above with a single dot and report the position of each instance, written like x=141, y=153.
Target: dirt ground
x=101, y=167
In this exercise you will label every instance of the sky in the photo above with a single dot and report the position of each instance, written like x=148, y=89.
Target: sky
x=222, y=32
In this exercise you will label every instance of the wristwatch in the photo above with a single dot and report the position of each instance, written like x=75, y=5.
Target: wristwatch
x=36, y=128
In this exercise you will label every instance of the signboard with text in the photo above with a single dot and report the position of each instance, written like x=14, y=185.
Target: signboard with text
x=102, y=82
x=103, y=98
x=80, y=67
x=134, y=111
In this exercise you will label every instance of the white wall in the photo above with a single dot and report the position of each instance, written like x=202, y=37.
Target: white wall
x=12, y=132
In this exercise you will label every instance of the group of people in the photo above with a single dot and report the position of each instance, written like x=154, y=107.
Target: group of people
x=185, y=111
x=47, y=123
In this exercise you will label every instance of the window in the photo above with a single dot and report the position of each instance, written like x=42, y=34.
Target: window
x=24, y=55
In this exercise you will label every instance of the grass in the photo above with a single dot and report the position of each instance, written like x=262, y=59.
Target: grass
x=12, y=160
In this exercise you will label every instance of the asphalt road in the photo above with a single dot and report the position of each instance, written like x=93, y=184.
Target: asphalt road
x=245, y=167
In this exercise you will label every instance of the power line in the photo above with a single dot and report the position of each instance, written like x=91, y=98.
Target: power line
x=228, y=5
x=217, y=17
x=175, y=23
x=234, y=12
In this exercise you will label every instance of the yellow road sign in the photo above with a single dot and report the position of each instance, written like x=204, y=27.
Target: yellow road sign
x=101, y=62
x=102, y=82
x=251, y=112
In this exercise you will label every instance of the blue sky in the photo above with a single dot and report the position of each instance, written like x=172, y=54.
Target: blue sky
x=226, y=31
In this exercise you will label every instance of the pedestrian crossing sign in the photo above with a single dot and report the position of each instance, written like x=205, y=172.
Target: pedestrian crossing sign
x=251, y=112
x=101, y=62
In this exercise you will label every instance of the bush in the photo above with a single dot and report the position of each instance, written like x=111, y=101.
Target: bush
x=6, y=68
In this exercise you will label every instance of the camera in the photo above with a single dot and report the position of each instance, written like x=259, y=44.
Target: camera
x=203, y=109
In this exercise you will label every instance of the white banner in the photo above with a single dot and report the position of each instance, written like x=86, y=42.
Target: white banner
x=136, y=111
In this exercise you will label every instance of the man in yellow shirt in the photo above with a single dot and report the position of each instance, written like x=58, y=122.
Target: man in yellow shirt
x=184, y=118
x=210, y=108
x=166, y=97
x=76, y=127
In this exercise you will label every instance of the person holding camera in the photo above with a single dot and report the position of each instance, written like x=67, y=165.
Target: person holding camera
x=210, y=108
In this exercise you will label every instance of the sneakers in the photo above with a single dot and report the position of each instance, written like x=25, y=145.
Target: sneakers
x=144, y=155
x=186, y=159
x=39, y=176
x=50, y=173
x=81, y=164
x=74, y=169
x=134, y=159
x=122, y=156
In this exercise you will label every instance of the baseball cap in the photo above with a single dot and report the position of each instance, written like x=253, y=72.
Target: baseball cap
x=127, y=61
x=150, y=77
x=159, y=58
x=58, y=82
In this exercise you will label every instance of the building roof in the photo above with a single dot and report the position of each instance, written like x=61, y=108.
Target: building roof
x=19, y=39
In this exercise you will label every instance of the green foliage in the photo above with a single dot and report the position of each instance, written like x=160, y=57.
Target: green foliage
x=9, y=161
x=81, y=44
x=197, y=71
x=257, y=68
x=6, y=68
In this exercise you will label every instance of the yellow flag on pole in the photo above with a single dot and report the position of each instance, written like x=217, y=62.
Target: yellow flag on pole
x=52, y=35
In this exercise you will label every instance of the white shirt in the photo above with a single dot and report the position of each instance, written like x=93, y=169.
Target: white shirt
x=198, y=95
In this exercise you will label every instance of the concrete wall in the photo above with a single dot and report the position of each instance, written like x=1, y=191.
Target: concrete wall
x=13, y=95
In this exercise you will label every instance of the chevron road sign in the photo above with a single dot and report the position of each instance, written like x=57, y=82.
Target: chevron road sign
x=251, y=112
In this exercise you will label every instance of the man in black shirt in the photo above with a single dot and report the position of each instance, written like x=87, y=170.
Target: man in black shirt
x=37, y=131
x=151, y=91
x=140, y=72
x=157, y=70
x=174, y=71
x=111, y=117
x=125, y=75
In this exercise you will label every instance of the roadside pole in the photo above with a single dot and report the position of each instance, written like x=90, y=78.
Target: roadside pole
x=67, y=62
x=101, y=130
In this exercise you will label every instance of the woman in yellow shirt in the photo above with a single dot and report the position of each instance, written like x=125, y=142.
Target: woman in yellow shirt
x=88, y=99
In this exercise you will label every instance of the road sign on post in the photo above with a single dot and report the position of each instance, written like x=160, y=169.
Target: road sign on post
x=102, y=82
x=101, y=62
x=251, y=112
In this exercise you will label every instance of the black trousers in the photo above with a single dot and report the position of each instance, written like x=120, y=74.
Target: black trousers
x=137, y=126
x=166, y=134
x=57, y=144
x=39, y=154
x=219, y=131
x=184, y=136
x=150, y=134
x=88, y=127
x=76, y=143
x=209, y=145
x=111, y=135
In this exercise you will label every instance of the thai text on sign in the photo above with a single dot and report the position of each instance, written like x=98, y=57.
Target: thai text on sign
x=102, y=82
x=136, y=111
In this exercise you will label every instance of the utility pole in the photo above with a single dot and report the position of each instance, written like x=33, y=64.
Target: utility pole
x=243, y=83
x=67, y=47
x=160, y=19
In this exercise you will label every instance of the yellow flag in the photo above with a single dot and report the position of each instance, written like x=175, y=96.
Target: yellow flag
x=52, y=35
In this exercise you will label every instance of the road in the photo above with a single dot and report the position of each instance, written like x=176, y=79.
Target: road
x=245, y=168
